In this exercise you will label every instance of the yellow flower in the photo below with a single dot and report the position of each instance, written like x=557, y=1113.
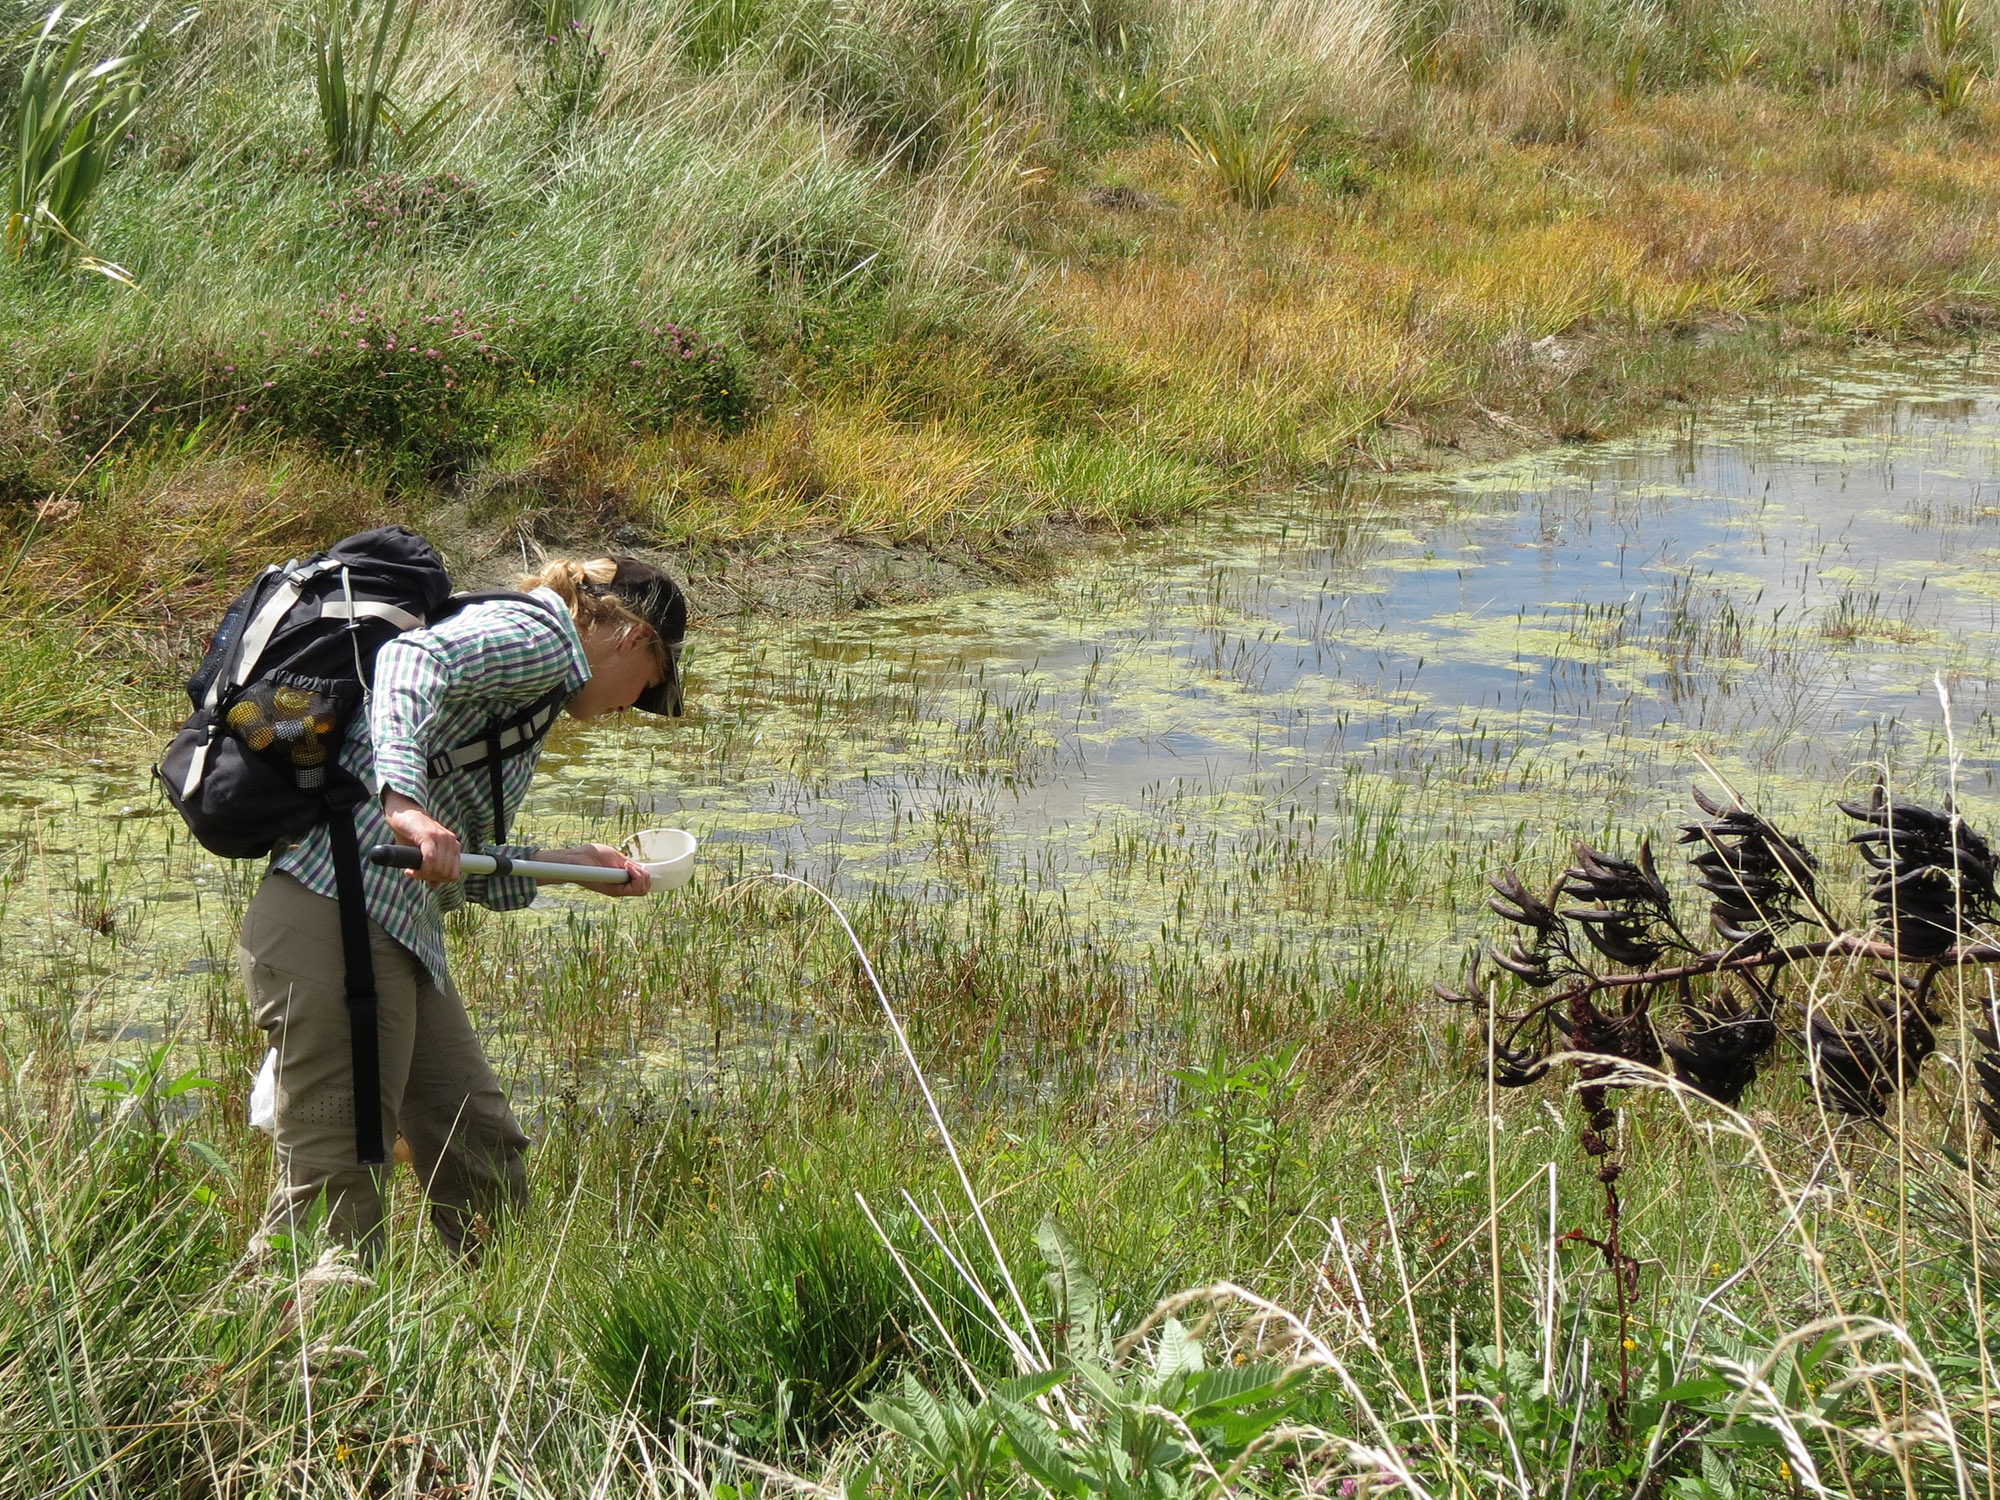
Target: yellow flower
x=1629, y=1344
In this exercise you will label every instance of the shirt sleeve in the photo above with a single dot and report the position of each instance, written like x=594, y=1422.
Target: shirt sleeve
x=497, y=650
x=502, y=892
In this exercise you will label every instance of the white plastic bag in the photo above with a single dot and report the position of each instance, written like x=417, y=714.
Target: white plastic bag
x=264, y=1096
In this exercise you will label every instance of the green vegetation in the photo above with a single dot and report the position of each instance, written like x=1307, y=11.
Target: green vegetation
x=1196, y=1189
x=68, y=112
x=742, y=273
x=1313, y=1266
x=354, y=75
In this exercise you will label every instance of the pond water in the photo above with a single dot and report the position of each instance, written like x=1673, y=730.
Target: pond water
x=1478, y=663
x=1782, y=593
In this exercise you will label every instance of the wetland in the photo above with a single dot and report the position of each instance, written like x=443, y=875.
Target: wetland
x=1156, y=860
x=1442, y=435
x=1380, y=689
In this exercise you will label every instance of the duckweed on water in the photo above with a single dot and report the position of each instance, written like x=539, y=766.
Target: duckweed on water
x=1340, y=715
x=1218, y=794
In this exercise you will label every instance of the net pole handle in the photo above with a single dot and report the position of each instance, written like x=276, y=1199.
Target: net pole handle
x=403, y=857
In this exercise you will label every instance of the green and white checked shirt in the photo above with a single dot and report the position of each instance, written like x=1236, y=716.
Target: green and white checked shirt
x=435, y=689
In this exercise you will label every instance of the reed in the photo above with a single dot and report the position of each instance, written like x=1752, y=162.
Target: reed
x=358, y=52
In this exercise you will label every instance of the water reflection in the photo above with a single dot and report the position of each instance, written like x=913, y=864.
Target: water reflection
x=1776, y=592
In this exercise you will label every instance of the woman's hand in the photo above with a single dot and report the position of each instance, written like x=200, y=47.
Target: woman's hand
x=417, y=828
x=602, y=854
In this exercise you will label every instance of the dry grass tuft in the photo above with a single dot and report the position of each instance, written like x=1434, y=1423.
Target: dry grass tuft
x=164, y=535
x=1329, y=54
x=1534, y=99
x=853, y=469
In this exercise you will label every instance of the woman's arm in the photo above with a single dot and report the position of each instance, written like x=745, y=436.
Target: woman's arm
x=440, y=846
x=412, y=825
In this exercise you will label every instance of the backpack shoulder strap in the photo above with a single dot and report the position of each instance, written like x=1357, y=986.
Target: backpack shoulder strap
x=458, y=602
x=363, y=1004
x=509, y=737
x=505, y=738
x=272, y=607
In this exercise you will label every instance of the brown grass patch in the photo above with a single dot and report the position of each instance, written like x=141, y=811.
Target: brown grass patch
x=162, y=538
x=1282, y=337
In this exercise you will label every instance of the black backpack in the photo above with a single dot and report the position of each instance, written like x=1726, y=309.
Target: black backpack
x=256, y=763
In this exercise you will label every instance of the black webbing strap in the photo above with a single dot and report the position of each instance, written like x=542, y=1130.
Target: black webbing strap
x=496, y=767
x=515, y=735
x=363, y=1020
x=504, y=739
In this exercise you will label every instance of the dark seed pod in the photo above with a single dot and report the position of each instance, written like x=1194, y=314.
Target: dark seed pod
x=1518, y=904
x=1619, y=936
x=1744, y=942
x=1530, y=965
x=1934, y=880
x=1861, y=1068
x=1756, y=874
x=1605, y=878
x=1631, y=898
x=1515, y=1070
x=1470, y=994
x=1719, y=1054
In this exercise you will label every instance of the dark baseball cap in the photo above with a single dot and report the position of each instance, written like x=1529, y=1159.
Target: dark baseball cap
x=655, y=598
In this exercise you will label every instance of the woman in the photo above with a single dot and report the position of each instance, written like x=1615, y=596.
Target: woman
x=601, y=637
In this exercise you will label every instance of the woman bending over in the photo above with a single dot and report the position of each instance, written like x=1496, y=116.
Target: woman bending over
x=600, y=637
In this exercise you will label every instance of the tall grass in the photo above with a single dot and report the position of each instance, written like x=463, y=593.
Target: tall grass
x=853, y=209
x=698, y=1296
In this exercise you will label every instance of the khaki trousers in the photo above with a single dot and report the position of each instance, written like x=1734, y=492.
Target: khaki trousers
x=438, y=1091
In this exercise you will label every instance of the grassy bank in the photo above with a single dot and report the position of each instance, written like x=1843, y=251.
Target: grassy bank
x=751, y=275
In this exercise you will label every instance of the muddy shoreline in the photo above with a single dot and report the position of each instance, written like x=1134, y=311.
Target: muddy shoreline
x=788, y=578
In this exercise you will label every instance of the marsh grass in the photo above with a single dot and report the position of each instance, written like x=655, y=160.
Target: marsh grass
x=1216, y=1070
x=1288, y=1128
x=697, y=1282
